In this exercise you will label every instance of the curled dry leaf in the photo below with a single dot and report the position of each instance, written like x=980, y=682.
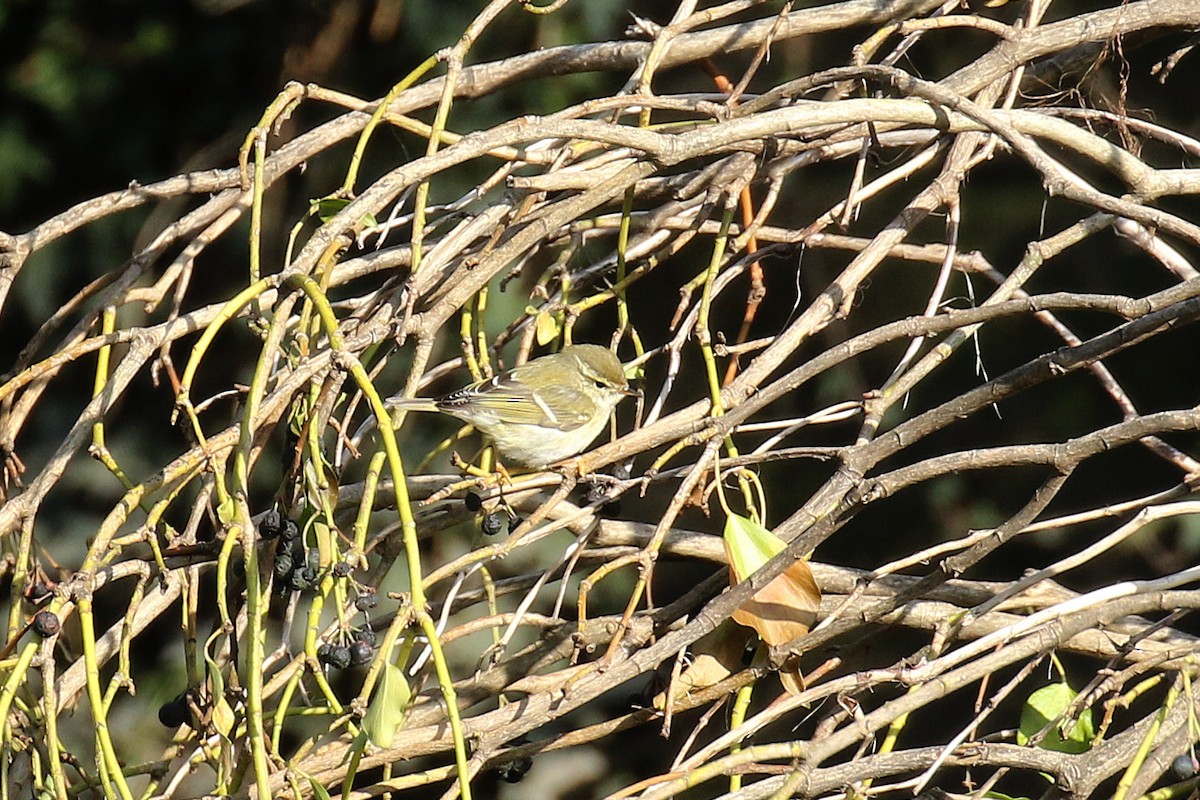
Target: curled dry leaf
x=713, y=659
x=786, y=608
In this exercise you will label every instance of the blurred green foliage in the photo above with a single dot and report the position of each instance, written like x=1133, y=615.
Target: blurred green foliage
x=98, y=94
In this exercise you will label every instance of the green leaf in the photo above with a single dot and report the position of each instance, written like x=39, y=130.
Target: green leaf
x=320, y=529
x=326, y=208
x=749, y=545
x=547, y=327
x=215, y=679
x=319, y=791
x=389, y=702
x=227, y=511
x=223, y=718
x=1048, y=704
x=298, y=417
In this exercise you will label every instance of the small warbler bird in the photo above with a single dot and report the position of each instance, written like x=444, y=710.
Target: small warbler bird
x=540, y=412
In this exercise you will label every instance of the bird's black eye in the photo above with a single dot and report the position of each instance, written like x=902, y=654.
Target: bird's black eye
x=601, y=385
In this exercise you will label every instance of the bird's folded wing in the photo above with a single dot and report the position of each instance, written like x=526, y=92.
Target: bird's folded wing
x=555, y=407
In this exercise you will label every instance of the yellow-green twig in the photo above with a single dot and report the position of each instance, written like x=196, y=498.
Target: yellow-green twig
x=408, y=523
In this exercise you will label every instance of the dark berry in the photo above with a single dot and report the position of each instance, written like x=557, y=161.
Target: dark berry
x=270, y=524
x=493, y=523
x=514, y=771
x=597, y=493
x=1184, y=766
x=174, y=713
x=37, y=591
x=323, y=650
x=290, y=546
x=364, y=634
x=473, y=501
x=367, y=600
x=361, y=652
x=302, y=578
x=342, y=568
x=339, y=656
x=283, y=566
x=289, y=531
x=45, y=623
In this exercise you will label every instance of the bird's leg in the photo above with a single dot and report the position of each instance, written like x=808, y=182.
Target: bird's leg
x=503, y=477
x=470, y=469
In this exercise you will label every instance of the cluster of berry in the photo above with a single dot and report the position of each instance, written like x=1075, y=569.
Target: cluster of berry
x=296, y=569
x=492, y=523
x=354, y=647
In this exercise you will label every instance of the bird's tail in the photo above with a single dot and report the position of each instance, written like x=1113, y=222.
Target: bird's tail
x=412, y=403
x=392, y=403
